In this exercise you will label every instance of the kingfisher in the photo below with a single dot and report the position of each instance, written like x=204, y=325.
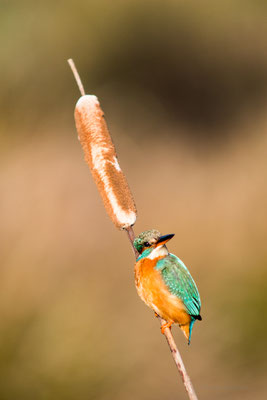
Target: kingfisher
x=164, y=283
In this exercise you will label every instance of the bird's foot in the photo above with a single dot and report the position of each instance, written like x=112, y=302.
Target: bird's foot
x=165, y=326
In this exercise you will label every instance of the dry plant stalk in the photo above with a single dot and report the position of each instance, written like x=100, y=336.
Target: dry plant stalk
x=101, y=157
x=170, y=340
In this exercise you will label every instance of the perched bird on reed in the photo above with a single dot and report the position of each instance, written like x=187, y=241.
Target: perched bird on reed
x=164, y=283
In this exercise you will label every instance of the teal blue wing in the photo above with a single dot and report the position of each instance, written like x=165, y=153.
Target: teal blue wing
x=180, y=283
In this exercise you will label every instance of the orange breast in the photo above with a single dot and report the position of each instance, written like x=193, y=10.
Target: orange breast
x=153, y=291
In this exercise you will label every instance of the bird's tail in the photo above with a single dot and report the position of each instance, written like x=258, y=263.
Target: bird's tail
x=187, y=329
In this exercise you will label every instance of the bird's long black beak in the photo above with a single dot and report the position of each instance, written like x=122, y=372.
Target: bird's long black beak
x=165, y=238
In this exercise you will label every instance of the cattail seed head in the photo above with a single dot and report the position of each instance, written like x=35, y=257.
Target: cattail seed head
x=101, y=157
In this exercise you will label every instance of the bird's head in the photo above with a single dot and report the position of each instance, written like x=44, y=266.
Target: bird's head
x=150, y=240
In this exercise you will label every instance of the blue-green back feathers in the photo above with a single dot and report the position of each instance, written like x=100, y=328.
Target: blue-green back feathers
x=180, y=283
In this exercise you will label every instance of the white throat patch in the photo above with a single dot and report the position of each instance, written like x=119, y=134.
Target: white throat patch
x=159, y=251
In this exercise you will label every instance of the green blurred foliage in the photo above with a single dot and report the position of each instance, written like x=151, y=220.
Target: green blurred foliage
x=203, y=64
x=246, y=319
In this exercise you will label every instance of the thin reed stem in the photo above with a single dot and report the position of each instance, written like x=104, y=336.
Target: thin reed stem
x=167, y=332
x=76, y=76
x=170, y=340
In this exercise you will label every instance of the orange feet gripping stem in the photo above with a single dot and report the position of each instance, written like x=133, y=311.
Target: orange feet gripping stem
x=165, y=326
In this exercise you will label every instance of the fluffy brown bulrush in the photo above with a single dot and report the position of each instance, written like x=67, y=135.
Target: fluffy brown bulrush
x=101, y=157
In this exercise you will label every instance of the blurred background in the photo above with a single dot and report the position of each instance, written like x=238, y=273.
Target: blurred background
x=184, y=88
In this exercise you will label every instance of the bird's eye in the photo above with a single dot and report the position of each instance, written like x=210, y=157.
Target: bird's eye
x=146, y=244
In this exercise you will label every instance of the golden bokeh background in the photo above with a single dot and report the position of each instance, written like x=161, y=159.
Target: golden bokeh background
x=184, y=88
